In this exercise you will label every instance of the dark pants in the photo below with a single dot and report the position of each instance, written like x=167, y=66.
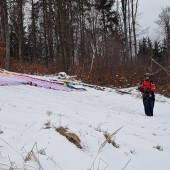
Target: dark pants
x=148, y=106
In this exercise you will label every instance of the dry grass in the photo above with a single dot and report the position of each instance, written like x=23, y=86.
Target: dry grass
x=31, y=155
x=47, y=125
x=73, y=138
x=109, y=138
x=110, y=141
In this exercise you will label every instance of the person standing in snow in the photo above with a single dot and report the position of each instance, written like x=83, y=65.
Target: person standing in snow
x=147, y=88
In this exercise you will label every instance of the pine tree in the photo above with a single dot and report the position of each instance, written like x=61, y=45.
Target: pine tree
x=109, y=17
x=157, y=51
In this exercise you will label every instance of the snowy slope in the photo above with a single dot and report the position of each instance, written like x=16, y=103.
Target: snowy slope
x=29, y=116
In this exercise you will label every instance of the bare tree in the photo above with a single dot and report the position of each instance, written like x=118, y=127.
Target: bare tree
x=129, y=13
x=2, y=25
x=164, y=22
x=124, y=6
x=33, y=30
x=4, y=9
x=134, y=7
x=20, y=28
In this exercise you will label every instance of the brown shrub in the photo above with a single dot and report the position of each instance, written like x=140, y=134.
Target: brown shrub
x=2, y=53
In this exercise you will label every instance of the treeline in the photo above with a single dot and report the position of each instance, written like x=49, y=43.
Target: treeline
x=96, y=39
x=63, y=32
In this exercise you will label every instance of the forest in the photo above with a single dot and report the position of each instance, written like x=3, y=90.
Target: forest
x=97, y=40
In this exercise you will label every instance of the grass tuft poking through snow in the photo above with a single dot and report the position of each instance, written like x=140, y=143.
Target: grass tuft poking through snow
x=73, y=138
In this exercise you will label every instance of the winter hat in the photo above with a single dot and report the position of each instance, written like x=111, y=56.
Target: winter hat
x=147, y=75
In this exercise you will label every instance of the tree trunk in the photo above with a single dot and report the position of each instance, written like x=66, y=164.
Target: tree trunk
x=130, y=31
x=21, y=29
x=7, y=35
x=45, y=29
x=33, y=31
x=49, y=30
x=134, y=24
x=124, y=11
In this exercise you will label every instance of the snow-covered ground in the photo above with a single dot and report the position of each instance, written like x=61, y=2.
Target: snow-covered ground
x=30, y=115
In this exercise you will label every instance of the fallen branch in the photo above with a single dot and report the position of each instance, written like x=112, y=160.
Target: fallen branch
x=167, y=71
x=123, y=92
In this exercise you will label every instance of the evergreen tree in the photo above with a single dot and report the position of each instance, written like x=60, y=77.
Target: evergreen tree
x=109, y=17
x=145, y=50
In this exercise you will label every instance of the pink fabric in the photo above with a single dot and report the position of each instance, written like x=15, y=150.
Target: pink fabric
x=7, y=79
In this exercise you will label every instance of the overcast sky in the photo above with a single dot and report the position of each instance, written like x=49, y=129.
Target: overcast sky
x=148, y=11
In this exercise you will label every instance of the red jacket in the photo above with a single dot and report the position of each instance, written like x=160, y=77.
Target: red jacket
x=147, y=84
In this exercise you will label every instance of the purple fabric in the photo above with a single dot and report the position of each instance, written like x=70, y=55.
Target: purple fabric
x=14, y=79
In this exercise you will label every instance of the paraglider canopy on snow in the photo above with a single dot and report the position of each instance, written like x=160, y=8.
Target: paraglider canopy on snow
x=9, y=78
